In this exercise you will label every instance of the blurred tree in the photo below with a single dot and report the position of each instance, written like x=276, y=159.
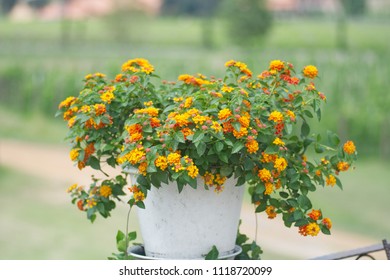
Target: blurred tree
x=38, y=3
x=7, y=5
x=354, y=7
x=247, y=20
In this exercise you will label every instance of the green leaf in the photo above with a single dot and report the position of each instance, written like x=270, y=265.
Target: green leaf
x=289, y=128
x=304, y=202
x=324, y=230
x=121, y=245
x=308, y=113
x=179, y=136
x=284, y=194
x=333, y=139
x=240, y=181
x=319, y=149
x=111, y=161
x=140, y=204
x=198, y=136
x=338, y=183
x=218, y=146
x=154, y=178
x=142, y=181
x=305, y=129
x=237, y=147
x=132, y=236
x=226, y=171
x=224, y=157
x=119, y=236
x=94, y=163
x=201, y=148
x=213, y=254
x=236, y=126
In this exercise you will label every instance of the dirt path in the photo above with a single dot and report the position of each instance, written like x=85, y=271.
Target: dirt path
x=53, y=163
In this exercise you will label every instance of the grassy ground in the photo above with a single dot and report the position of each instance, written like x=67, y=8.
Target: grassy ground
x=39, y=222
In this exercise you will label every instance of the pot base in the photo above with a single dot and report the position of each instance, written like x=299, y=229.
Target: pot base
x=138, y=252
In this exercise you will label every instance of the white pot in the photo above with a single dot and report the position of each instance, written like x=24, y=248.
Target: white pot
x=186, y=225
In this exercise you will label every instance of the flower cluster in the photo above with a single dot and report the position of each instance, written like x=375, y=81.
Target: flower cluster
x=254, y=128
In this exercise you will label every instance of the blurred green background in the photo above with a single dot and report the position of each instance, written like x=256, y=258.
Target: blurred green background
x=47, y=47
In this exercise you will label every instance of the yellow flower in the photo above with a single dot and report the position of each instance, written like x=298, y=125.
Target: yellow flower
x=71, y=188
x=349, y=147
x=138, y=65
x=227, y=89
x=310, y=71
x=107, y=96
x=173, y=158
x=135, y=156
x=161, y=162
x=276, y=117
x=239, y=134
x=330, y=180
x=74, y=153
x=151, y=111
x=208, y=178
x=244, y=121
x=280, y=164
x=198, y=119
x=266, y=158
x=277, y=65
x=252, y=146
x=105, y=191
x=224, y=114
x=91, y=203
x=216, y=126
x=219, y=180
x=188, y=102
x=178, y=99
x=142, y=168
x=278, y=142
x=269, y=187
x=192, y=171
x=139, y=196
x=342, y=166
x=182, y=119
x=67, y=102
x=71, y=121
x=291, y=114
x=312, y=229
x=264, y=175
x=324, y=161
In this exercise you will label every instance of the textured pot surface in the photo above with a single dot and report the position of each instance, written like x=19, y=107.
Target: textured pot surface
x=186, y=225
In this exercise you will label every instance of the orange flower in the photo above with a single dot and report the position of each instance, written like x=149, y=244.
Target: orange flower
x=277, y=65
x=342, y=166
x=224, y=114
x=349, y=147
x=330, y=180
x=276, y=117
x=270, y=210
x=252, y=146
x=315, y=214
x=327, y=222
x=310, y=71
x=264, y=175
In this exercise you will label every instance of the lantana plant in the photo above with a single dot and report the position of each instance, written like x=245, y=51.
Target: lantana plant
x=254, y=128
